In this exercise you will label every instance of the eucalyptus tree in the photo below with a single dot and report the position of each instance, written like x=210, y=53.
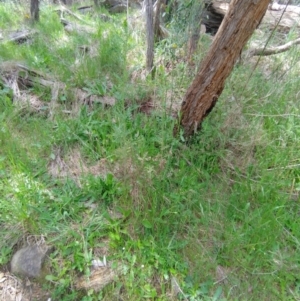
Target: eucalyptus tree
x=240, y=21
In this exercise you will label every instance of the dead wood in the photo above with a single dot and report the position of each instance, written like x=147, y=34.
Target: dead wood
x=273, y=50
x=86, y=9
x=20, y=36
x=73, y=27
x=19, y=78
x=63, y=10
x=98, y=279
x=285, y=18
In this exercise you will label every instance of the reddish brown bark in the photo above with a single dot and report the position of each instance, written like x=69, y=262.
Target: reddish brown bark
x=242, y=18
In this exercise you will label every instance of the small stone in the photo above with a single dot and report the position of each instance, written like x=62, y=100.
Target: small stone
x=27, y=262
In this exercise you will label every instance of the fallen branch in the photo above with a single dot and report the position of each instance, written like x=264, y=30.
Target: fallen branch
x=20, y=36
x=273, y=50
x=98, y=279
x=61, y=10
x=19, y=78
x=91, y=10
x=73, y=27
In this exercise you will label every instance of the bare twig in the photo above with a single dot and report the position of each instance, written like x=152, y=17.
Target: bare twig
x=63, y=9
x=274, y=115
x=273, y=50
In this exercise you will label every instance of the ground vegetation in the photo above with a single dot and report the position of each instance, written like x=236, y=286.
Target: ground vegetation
x=90, y=169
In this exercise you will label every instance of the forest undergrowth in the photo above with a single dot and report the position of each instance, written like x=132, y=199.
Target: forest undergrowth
x=89, y=164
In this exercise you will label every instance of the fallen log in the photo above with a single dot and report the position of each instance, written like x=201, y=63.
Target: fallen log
x=273, y=50
x=62, y=10
x=19, y=36
x=282, y=17
x=74, y=27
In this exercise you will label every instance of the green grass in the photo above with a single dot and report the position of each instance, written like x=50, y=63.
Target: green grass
x=219, y=216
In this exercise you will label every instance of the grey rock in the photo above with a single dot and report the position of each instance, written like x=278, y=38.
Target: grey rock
x=27, y=262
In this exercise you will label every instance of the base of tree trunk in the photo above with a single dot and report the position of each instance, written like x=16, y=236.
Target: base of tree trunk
x=239, y=23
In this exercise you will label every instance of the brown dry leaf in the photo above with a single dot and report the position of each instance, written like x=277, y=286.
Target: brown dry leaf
x=146, y=107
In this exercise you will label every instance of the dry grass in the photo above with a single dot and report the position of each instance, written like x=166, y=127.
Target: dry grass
x=11, y=288
x=73, y=165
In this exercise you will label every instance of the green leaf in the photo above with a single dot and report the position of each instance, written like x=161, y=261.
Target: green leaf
x=50, y=278
x=147, y=224
x=217, y=294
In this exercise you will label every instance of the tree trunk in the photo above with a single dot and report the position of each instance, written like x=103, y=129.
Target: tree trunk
x=195, y=34
x=242, y=18
x=150, y=35
x=34, y=10
x=157, y=34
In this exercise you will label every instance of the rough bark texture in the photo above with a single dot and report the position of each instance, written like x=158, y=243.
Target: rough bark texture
x=157, y=19
x=34, y=10
x=242, y=18
x=150, y=35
